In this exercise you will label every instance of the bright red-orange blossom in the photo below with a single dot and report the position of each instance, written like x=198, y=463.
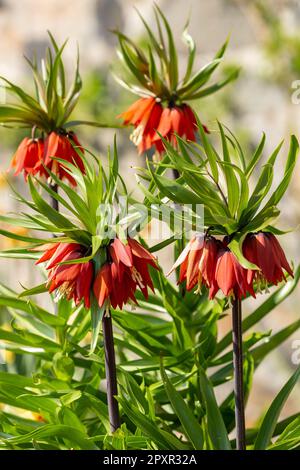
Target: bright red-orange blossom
x=151, y=121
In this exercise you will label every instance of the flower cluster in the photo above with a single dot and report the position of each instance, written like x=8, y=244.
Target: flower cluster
x=125, y=270
x=162, y=110
x=114, y=284
x=151, y=121
x=34, y=156
x=210, y=262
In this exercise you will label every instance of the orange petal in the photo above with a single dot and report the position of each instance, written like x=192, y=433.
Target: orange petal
x=103, y=284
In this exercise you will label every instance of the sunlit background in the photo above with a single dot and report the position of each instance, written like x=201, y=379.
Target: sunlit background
x=264, y=41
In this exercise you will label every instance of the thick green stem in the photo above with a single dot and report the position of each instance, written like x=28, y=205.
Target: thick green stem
x=237, y=340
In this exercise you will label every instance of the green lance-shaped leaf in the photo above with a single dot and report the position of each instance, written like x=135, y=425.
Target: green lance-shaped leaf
x=238, y=149
x=191, y=427
x=215, y=87
x=22, y=238
x=270, y=420
x=263, y=219
x=135, y=392
x=157, y=46
x=40, y=289
x=233, y=190
x=127, y=58
x=18, y=253
x=198, y=80
x=58, y=220
x=30, y=308
x=209, y=151
x=162, y=439
x=280, y=427
x=56, y=431
x=236, y=246
x=215, y=424
x=175, y=191
x=54, y=216
x=243, y=187
x=173, y=60
x=82, y=211
x=290, y=436
x=259, y=352
x=289, y=168
x=204, y=189
x=100, y=409
x=256, y=156
x=53, y=98
x=28, y=102
x=16, y=114
x=187, y=38
x=60, y=65
x=74, y=91
x=201, y=77
x=262, y=187
x=274, y=341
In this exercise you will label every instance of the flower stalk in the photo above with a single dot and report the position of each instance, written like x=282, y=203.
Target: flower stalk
x=111, y=373
x=238, y=374
x=54, y=202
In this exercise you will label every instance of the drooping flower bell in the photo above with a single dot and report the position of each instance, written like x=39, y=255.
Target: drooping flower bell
x=164, y=96
x=125, y=270
x=198, y=263
x=231, y=277
x=144, y=114
x=264, y=250
x=28, y=157
x=70, y=280
x=61, y=145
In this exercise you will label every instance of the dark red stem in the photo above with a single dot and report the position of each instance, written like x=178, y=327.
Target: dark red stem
x=54, y=202
x=237, y=340
x=111, y=373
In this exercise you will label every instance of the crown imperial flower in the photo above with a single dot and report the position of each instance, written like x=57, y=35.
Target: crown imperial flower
x=47, y=113
x=35, y=156
x=28, y=157
x=198, y=263
x=162, y=111
x=125, y=270
x=264, y=250
x=61, y=145
x=231, y=277
x=70, y=280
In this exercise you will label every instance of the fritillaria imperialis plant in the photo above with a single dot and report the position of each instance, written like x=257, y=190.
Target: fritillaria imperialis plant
x=46, y=115
x=90, y=264
x=122, y=358
x=162, y=109
x=248, y=257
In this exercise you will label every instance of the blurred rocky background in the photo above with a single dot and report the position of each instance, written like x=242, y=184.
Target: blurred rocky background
x=264, y=41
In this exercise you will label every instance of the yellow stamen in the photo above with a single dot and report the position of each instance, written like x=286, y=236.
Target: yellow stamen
x=137, y=134
x=136, y=276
